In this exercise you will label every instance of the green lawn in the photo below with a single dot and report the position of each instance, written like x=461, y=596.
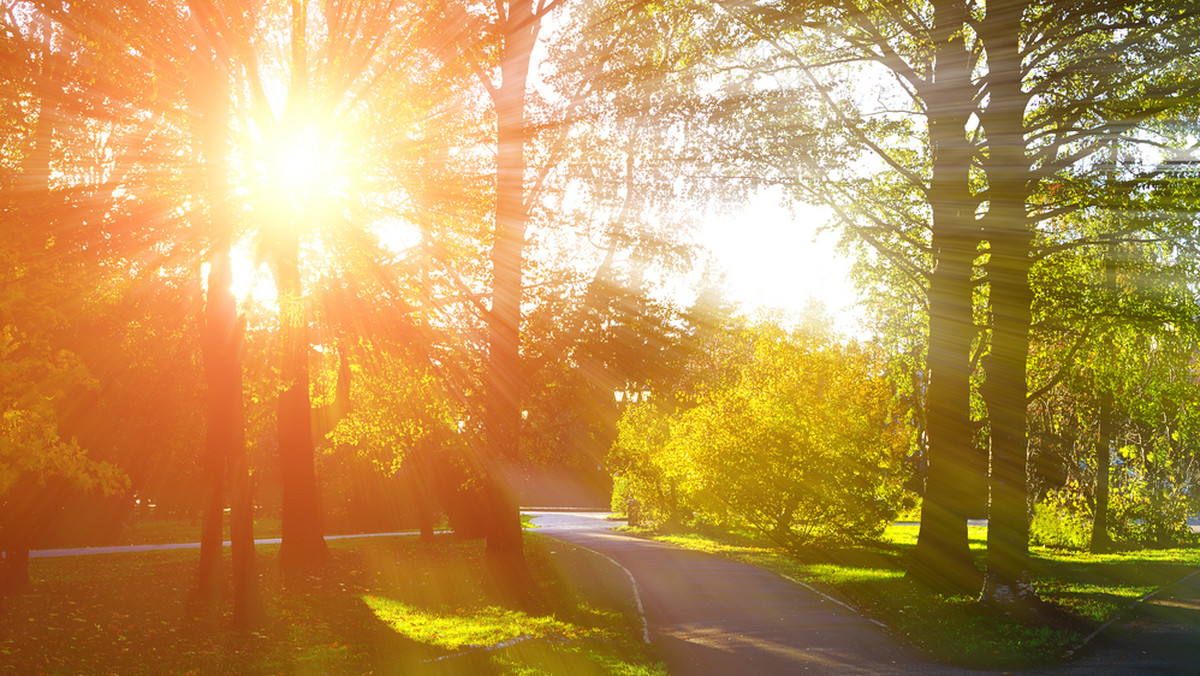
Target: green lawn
x=1082, y=589
x=384, y=605
x=157, y=531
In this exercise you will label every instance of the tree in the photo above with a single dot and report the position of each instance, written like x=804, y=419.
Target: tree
x=517, y=26
x=39, y=276
x=501, y=46
x=942, y=558
x=1009, y=236
x=225, y=457
x=911, y=198
x=1026, y=149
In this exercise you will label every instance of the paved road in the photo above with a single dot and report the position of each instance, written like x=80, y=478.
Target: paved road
x=709, y=615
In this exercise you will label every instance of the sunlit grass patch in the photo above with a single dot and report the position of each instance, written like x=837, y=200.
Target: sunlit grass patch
x=705, y=543
x=479, y=627
x=526, y=644
x=1097, y=586
x=838, y=575
x=904, y=535
x=156, y=530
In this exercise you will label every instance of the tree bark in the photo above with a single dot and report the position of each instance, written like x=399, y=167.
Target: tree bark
x=303, y=544
x=219, y=344
x=505, y=549
x=16, y=534
x=1007, y=581
x=954, y=479
x=248, y=608
x=222, y=376
x=1101, y=542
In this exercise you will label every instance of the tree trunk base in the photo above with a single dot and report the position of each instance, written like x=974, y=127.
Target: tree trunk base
x=1101, y=544
x=305, y=554
x=14, y=572
x=511, y=583
x=1011, y=597
x=250, y=610
x=944, y=576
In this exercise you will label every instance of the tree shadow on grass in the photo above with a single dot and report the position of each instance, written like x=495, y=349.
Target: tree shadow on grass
x=126, y=613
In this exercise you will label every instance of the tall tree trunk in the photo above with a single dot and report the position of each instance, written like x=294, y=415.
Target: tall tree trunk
x=222, y=376
x=303, y=543
x=220, y=325
x=1007, y=581
x=16, y=536
x=225, y=461
x=954, y=479
x=248, y=608
x=505, y=549
x=1101, y=542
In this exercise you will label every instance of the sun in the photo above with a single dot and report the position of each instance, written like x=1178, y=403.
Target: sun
x=298, y=167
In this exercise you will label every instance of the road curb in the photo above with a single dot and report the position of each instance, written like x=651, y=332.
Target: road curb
x=637, y=595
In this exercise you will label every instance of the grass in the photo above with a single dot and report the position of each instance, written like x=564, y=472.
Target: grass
x=1082, y=591
x=157, y=531
x=170, y=530
x=382, y=605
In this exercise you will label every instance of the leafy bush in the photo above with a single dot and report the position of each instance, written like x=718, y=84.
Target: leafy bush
x=794, y=434
x=640, y=476
x=1054, y=524
x=1149, y=503
x=1140, y=512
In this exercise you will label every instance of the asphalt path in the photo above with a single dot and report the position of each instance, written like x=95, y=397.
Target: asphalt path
x=709, y=615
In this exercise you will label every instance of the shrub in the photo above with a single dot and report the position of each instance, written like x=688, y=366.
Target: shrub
x=1055, y=525
x=797, y=435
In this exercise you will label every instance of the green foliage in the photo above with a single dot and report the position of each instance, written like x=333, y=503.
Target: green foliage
x=794, y=434
x=1150, y=503
x=637, y=459
x=1151, y=380
x=1055, y=524
x=35, y=380
x=398, y=406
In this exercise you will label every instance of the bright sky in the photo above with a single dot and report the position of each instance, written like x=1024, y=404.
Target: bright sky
x=774, y=259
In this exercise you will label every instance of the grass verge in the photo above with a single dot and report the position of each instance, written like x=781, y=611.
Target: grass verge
x=1084, y=590
x=382, y=605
